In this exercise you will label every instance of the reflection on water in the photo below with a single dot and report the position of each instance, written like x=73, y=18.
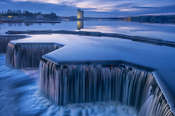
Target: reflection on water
x=80, y=24
x=4, y=27
x=162, y=31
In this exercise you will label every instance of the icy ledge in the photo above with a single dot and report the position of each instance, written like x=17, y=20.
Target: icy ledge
x=27, y=55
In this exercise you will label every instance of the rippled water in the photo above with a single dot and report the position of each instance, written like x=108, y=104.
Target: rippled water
x=20, y=96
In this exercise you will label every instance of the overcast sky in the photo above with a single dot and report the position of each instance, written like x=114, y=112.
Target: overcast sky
x=94, y=7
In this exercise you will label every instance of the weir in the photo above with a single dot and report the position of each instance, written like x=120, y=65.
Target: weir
x=27, y=55
x=154, y=41
x=5, y=39
x=95, y=82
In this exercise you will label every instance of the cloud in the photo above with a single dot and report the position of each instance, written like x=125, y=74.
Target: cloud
x=95, y=7
x=129, y=9
x=42, y=1
x=107, y=5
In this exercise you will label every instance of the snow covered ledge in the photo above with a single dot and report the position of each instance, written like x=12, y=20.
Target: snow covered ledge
x=27, y=55
x=82, y=82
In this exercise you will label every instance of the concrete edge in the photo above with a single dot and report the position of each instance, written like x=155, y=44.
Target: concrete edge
x=157, y=77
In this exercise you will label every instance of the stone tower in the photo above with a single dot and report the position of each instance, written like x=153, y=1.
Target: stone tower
x=80, y=14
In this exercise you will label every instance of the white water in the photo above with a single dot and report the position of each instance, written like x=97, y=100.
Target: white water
x=19, y=96
x=4, y=40
x=39, y=105
x=69, y=84
x=27, y=55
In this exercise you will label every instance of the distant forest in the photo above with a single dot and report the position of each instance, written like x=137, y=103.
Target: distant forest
x=154, y=19
x=26, y=13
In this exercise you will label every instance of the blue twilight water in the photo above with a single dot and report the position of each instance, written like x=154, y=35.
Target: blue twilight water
x=20, y=96
x=162, y=31
x=19, y=92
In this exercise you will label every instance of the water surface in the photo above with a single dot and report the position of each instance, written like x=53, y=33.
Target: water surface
x=20, y=96
x=162, y=31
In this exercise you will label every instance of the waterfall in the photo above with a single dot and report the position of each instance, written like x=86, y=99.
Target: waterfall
x=155, y=105
x=83, y=83
x=21, y=55
x=4, y=40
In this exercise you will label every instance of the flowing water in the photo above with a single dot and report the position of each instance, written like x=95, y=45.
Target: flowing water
x=67, y=84
x=80, y=90
x=20, y=96
x=4, y=40
x=23, y=55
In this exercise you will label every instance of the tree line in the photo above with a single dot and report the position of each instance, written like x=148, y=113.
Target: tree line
x=27, y=13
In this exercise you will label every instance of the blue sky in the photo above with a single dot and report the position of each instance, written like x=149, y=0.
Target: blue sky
x=94, y=7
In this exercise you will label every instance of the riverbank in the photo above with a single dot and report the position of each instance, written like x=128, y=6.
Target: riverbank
x=28, y=21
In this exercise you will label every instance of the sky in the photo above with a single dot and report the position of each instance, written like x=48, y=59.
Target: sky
x=99, y=8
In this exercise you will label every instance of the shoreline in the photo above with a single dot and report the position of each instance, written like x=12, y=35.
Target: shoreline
x=29, y=21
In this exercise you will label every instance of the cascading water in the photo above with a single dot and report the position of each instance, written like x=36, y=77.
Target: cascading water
x=20, y=97
x=4, y=40
x=21, y=55
x=67, y=84
x=155, y=105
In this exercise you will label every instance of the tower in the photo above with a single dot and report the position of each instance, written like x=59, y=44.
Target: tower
x=80, y=14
